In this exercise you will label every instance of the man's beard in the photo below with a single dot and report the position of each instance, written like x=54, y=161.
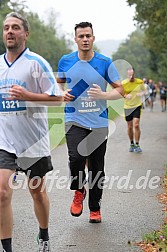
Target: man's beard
x=11, y=47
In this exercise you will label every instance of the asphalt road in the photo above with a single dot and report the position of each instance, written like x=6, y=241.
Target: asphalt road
x=129, y=205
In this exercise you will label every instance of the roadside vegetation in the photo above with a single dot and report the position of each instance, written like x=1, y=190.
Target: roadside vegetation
x=146, y=48
x=156, y=240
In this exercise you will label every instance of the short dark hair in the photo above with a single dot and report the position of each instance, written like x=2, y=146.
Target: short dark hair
x=23, y=19
x=83, y=25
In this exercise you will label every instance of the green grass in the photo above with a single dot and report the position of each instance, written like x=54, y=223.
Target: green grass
x=115, y=109
x=56, y=126
x=157, y=238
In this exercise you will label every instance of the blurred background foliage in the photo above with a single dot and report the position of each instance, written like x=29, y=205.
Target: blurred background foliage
x=145, y=48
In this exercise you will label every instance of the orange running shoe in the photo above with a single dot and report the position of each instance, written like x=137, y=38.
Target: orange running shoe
x=77, y=204
x=95, y=217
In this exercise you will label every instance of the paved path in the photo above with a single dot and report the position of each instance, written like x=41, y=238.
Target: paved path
x=128, y=210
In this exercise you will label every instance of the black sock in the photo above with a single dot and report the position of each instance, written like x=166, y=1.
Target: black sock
x=7, y=244
x=137, y=143
x=132, y=142
x=43, y=234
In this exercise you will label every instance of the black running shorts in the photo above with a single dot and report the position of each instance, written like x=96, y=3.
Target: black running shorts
x=32, y=167
x=132, y=113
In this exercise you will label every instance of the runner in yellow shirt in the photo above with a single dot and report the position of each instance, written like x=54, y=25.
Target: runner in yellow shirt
x=134, y=90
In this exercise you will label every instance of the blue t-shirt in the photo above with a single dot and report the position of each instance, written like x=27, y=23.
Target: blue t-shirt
x=80, y=75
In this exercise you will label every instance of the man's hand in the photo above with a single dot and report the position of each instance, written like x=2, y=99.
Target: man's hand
x=128, y=96
x=95, y=93
x=67, y=96
x=18, y=93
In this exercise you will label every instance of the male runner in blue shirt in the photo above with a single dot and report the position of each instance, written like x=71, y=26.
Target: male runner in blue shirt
x=87, y=74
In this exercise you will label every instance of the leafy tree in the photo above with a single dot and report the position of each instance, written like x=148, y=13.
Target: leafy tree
x=151, y=15
x=18, y=5
x=4, y=9
x=134, y=52
x=43, y=38
x=3, y=5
